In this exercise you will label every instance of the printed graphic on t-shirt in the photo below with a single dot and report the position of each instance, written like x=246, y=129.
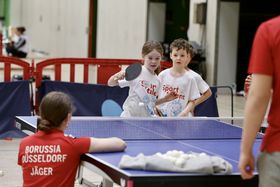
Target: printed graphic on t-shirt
x=149, y=87
x=148, y=93
x=169, y=88
x=174, y=107
x=42, y=154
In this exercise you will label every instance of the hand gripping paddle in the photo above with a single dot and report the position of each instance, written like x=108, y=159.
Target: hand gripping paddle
x=133, y=71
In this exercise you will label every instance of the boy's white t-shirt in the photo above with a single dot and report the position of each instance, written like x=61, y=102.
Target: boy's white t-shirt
x=201, y=84
x=143, y=93
x=185, y=86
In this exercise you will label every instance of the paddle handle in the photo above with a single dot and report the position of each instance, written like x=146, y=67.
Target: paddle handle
x=118, y=76
x=158, y=112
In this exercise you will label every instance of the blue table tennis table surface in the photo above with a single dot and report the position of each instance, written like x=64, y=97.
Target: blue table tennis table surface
x=149, y=136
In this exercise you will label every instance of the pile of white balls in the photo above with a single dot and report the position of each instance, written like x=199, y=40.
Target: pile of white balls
x=179, y=158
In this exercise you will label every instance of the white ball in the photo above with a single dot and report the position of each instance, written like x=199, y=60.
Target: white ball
x=165, y=157
x=180, y=162
x=169, y=153
x=185, y=156
x=141, y=104
x=181, y=152
x=202, y=154
x=175, y=153
x=192, y=156
x=159, y=154
x=172, y=159
x=1, y=173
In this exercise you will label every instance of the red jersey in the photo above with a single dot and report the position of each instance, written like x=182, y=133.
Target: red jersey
x=51, y=159
x=265, y=59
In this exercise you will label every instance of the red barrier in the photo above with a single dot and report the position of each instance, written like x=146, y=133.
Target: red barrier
x=8, y=61
x=1, y=42
x=105, y=69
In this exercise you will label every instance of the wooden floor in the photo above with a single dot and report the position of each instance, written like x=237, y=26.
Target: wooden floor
x=9, y=148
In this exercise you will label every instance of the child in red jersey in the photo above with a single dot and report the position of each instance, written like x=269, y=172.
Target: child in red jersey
x=48, y=157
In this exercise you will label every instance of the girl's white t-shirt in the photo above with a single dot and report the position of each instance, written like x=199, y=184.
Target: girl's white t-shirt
x=143, y=93
x=185, y=86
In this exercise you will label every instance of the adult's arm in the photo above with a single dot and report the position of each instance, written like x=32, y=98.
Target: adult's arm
x=255, y=108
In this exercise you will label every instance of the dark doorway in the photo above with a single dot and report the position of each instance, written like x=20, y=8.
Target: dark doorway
x=252, y=13
x=177, y=19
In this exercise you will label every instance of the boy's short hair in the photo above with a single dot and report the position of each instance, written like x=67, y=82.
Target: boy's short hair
x=181, y=43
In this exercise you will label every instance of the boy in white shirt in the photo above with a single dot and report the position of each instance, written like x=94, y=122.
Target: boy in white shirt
x=203, y=87
x=178, y=79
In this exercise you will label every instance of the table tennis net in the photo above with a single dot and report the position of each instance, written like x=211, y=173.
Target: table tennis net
x=156, y=129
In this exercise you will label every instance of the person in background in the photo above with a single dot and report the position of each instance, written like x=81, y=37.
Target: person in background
x=50, y=158
x=247, y=84
x=264, y=67
x=180, y=80
x=18, y=45
x=143, y=91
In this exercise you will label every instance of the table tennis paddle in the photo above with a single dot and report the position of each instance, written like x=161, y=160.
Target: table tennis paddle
x=158, y=112
x=111, y=108
x=133, y=71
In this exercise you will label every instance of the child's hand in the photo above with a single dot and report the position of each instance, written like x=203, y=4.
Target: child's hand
x=119, y=76
x=171, y=96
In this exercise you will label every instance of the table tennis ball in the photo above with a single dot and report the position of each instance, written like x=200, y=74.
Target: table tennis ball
x=141, y=104
x=180, y=153
x=172, y=159
x=169, y=158
x=192, y=156
x=175, y=153
x=180, y=162
x=171, y=153
x=1, y=173
x=164, y=156
x=168, y=153
x=185, y=156
x=159, y=154
x=202, y=154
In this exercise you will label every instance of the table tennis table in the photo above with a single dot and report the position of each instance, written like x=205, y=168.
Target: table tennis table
x=153, y=135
